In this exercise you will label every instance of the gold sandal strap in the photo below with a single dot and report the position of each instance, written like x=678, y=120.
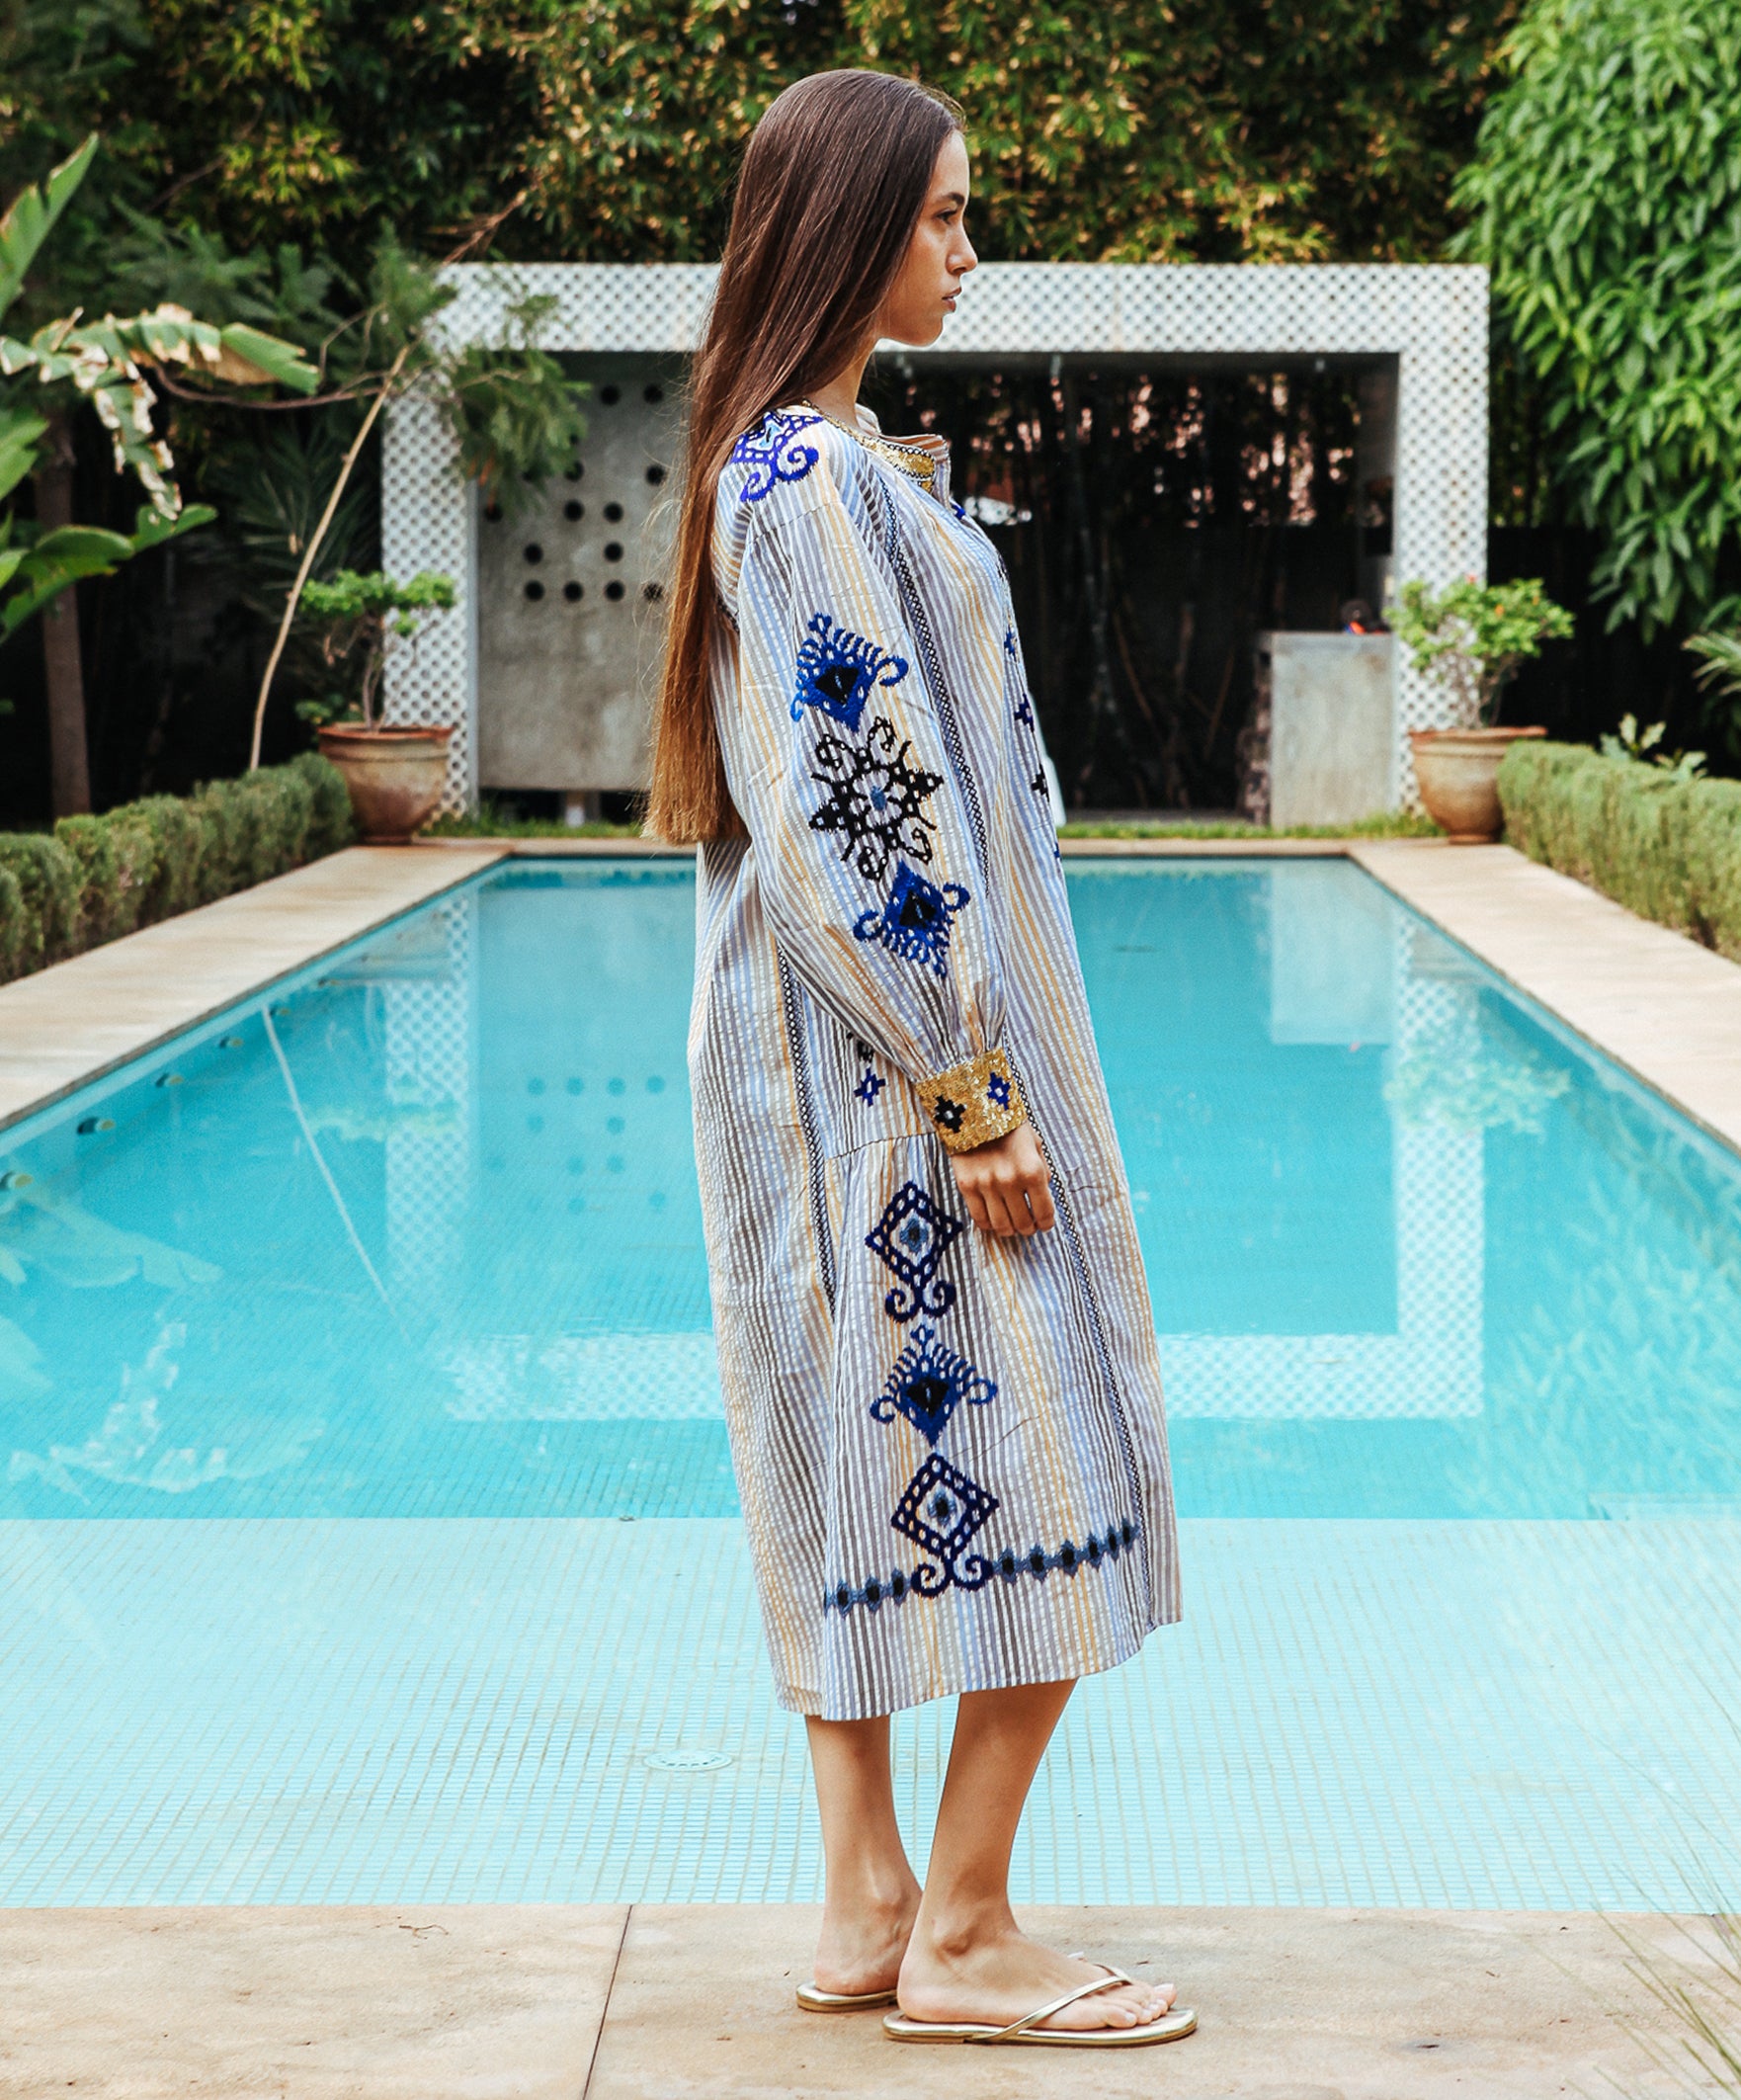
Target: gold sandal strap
x=1111, y=1978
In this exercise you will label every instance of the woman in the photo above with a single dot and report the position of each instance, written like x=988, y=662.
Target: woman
x=935, y=1336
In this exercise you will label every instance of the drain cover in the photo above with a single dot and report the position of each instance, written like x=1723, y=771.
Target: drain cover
x=688, y=1760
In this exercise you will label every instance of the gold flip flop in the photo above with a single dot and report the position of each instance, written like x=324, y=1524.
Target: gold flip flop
x=1172, y=2026
x=815, y=1999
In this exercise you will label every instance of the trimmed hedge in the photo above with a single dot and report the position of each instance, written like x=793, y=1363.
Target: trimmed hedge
x=100, y=876
x=1667, y=849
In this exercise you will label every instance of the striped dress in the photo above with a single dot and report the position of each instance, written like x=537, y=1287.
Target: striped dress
x=950, y=1448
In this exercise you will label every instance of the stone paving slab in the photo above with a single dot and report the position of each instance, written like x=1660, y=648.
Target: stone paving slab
x=65, y=1026
x=557, y=2002
x=1660, y=1005
x=473, y=2002
x=1292, y=2005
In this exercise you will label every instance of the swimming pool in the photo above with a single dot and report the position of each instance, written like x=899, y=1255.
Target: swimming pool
x=370, y=1530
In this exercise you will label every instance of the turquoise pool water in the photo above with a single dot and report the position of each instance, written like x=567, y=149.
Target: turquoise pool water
x=341, y=1344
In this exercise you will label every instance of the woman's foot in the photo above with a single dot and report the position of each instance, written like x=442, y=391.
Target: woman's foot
x=996, y=1977
x=862, y=1942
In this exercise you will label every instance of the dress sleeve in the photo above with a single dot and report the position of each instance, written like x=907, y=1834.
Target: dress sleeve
x=835, y=750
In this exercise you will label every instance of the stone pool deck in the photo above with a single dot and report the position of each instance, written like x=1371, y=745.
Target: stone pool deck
x=662, y=2003
x=651, y=2002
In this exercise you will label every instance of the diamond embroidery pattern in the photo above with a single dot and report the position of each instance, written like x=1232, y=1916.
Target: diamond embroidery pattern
x=914, y=920
x=927, y=1383
x=911, y=1238
x=839, y=671
x=941, y=1509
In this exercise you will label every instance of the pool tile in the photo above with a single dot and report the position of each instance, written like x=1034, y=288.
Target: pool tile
x=1459, y=1716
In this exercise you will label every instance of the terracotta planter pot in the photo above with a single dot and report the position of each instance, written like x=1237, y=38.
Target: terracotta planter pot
x=1458, y=771
x=396, y=778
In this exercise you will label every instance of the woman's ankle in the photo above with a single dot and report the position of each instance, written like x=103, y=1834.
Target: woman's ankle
x=951, y=1929
x=878, y=1891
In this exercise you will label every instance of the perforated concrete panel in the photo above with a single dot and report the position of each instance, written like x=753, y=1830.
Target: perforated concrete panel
x=1433, y=320
x=571, y=595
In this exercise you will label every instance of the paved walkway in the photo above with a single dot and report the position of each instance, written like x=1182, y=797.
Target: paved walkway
x=652, y=2003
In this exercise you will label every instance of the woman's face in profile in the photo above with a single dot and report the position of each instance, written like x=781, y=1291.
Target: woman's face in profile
x=938, y=258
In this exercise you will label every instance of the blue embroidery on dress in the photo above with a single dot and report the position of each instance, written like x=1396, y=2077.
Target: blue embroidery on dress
x=875, y=799
x=871, y=1081
x=940, y=1510
x=1070, y=1557
x=913, y=921
x=927, y=1383
x=771, y=452
x=1023, y=713
x=911, y=1237
x=1012, y=1566
x=997, y=1091
x=838, y=672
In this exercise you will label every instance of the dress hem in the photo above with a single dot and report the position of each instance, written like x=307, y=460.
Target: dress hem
x=948, y=1684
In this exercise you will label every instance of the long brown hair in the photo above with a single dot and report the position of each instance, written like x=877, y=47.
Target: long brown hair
x=833, y=181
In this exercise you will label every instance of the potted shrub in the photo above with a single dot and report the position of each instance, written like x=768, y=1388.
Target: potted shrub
x=395, y=776
x=1471, y=637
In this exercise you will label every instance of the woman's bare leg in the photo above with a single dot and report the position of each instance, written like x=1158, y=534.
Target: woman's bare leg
x=967, y=1959
x=871, y=1893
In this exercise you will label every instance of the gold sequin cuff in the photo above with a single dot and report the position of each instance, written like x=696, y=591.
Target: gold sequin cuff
x=974, y=1103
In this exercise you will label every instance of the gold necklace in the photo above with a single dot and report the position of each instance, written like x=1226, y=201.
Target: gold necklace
x=915, y=465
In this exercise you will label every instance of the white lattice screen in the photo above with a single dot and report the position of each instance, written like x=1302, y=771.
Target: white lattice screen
x=1431, y=319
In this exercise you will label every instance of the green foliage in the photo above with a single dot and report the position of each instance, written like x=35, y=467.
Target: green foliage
x=46, y=877
x=1719, y=674
x=105, y=363
x=1666, y=845
x=1203, y=132
x=31, y=216
x=513, y=410
x=1607, y=201
x=489, y=820
x=1474, y=636
x=1630, y=741
x=100, y=877
x=368, y=614
x=45, y=563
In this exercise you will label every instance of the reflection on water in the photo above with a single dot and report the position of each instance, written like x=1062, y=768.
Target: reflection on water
x=419, y=1235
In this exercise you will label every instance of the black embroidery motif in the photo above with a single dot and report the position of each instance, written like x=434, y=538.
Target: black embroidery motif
x=940, y=1511
x=838, y=671
x=927, y=1383
x=875, y=799
x=911, y=1238
x=914, y=919
x=1070, y=1559
x=773, y=453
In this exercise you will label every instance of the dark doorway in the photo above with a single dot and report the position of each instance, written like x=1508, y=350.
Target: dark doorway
x=1153, y=521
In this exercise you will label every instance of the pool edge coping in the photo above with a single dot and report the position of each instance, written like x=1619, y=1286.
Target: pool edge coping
x=1619, y=982
x=66, y=1027
x=1655, y=1003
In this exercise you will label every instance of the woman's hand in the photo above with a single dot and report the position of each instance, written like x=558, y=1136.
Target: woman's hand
x=1005, y=1184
